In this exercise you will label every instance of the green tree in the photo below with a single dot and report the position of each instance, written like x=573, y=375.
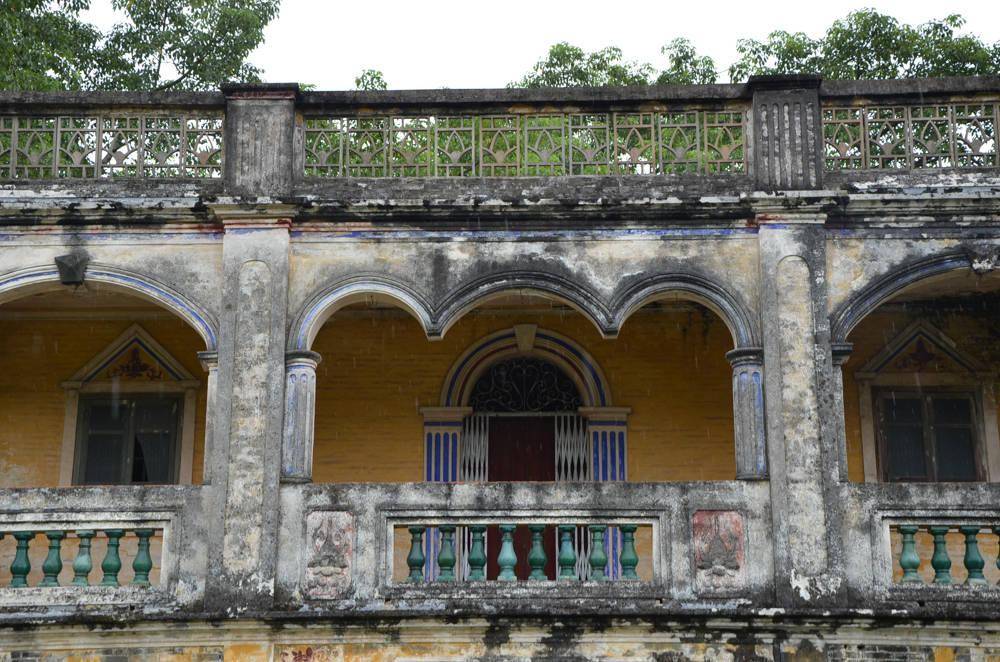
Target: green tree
x=371, y=79
x=569, y=66
x=685, y=66
x=159, y=44
x=868, y=45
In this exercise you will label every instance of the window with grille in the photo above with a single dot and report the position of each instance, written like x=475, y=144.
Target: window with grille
x=927, y=436
x=127, y=440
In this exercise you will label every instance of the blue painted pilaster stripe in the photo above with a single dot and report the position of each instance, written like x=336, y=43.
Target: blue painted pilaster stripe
x=440, y=466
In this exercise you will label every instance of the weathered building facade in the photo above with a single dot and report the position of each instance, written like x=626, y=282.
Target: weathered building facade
x=697, y=372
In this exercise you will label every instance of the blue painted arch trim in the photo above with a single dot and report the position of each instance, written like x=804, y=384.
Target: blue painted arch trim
x=195, y=315
x=860, y=305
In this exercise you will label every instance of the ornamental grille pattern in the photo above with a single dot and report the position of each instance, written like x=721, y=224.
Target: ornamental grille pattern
x=932, y=136
x=696, y=141
x=524, y=384
x=81, y=147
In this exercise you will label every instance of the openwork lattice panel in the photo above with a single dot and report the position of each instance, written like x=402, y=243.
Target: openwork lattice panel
x=926, y=136
x=110, y=146
x=515, y=145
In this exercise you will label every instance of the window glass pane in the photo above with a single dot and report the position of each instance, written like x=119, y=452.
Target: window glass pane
x=153, y=450
x=905, y=451
x=103, y=437
x=948, y=411
x=902, y=409
x=955, y=453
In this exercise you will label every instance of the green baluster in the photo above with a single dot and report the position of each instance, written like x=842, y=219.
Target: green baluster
x=996, y=531
x=82, y=564
x=974, y=562
x=477, y=553
x=21, y=565
x=598, y=559
x=908, y=558
x=143, y=562
x=415, y=559
x=52, y=565
x=112, y=563
x=507, y=558
x=941, y=562
x=567, y=552
x=629, y=557
x=536, y=557
x=446, y=555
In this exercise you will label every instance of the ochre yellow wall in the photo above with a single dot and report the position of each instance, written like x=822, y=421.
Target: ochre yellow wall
x=668, y=365
x=36, y=357
x=971, y=332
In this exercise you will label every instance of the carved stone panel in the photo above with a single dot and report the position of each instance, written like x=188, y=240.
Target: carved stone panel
x=330, y=540
x=719, y=556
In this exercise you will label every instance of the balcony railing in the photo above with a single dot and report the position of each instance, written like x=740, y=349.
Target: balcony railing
x=866, y=126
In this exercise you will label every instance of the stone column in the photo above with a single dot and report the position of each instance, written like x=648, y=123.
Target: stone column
x=802, y=455
x=748, y=412
x=243, y=520
x=210, y=363
x=300, y=416
x=250, y=387
x=840, y=352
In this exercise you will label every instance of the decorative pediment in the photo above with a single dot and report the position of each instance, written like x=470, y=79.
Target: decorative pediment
x=134, y=357
x=921, y=348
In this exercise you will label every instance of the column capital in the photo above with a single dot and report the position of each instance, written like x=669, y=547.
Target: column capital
x=302, y=357
x=841, y=352
x=445, y=414
x=209, y=360
x=616, y=414
x=745, y=356
x=246, y=215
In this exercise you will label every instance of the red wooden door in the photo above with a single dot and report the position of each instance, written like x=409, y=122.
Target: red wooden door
x=521, y=448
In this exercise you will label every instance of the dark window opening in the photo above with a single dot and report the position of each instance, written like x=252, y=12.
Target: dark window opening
x=927, y=436
x=128, y=440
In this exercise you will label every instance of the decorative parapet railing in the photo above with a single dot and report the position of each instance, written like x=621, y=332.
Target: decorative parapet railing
x=532, y=143
x=833, y=127
x=542, y=550
x=86, y=554
x=112, y=143
x=945, y=553
x=873, y=136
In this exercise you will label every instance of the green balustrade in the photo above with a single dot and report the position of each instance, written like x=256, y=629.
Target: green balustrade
x=908, y=558
x=507, y=558
x=567, y=552
x=21, y=565
x=446, y=555
x=112, y=563
x=974, y=562
x=940, y=561
x=477, y=553
x=536, y=557
x=53, y=564
x=143, y=562
x=415, y=559
x=629, y=557
x=83, y=564
x=996, y=531
x=598, y=559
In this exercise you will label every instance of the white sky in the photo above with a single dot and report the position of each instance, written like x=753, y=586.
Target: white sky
x=477, y=43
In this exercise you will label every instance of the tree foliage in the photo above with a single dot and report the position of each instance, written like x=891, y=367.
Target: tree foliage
x=570, y=66
x=868, y=45
x=371, y=79
x=159, y=44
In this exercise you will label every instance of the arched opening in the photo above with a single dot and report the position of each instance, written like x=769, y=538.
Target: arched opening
x=99, y=386
x=919, y=396
x=393, y=407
